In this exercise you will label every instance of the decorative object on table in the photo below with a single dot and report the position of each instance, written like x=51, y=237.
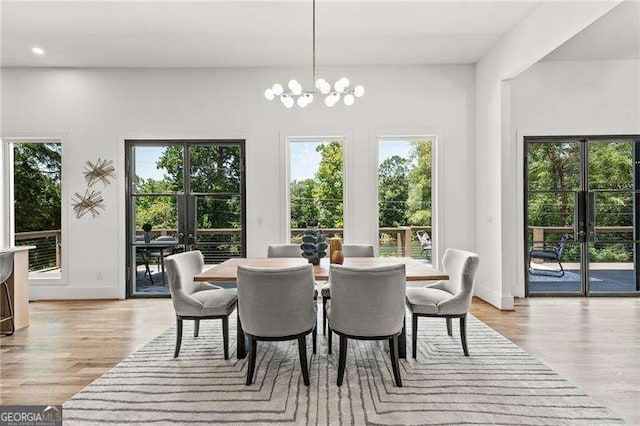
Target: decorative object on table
x=295, y=93
x=89, y=202
x=101, y=170
x=147, y=228
x=314, y=246
x=336, y=256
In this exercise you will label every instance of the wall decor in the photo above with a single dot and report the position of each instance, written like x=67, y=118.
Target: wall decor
x=101, y=170
x=89, y=202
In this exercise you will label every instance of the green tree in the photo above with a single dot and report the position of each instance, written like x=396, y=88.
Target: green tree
x=37, y=186
x=419, y=200
x=304, y=205
x=393, y=191
x=329, y=186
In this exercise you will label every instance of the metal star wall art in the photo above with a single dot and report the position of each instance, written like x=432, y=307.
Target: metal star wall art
x=90, y=202
x=101, y=170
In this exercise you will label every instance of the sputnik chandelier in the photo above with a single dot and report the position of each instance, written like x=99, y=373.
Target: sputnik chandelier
x=297, y=95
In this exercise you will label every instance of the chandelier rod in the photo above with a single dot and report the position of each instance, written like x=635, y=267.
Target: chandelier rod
x=313, y=73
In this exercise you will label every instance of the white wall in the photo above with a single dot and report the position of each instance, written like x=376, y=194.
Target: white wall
x=97, y=109
x=547, y=26
x=570, y=98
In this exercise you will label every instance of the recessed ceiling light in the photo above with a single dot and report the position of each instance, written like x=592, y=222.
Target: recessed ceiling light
x=37, y=50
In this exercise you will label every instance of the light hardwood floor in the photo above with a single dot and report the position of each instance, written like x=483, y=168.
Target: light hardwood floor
x=593, y=342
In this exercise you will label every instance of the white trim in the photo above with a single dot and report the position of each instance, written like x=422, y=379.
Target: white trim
x=7, y=202
x=285, y=180
x=437, y=194
x=518, y=287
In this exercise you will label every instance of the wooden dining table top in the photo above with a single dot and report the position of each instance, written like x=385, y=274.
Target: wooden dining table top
x=227, y=271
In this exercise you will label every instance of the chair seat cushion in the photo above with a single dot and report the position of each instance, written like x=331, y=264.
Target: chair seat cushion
x=425, y=300
x=216, y=302
x=551, y=255
x=325, y=290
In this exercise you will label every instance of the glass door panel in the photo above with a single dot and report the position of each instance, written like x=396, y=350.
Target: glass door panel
x=613, y=175
x=553, y=253
x=218, y=233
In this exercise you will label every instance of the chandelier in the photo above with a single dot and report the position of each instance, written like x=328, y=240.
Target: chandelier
x=341, y=88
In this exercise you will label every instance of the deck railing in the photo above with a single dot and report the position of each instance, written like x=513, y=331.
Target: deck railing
x=48, y=248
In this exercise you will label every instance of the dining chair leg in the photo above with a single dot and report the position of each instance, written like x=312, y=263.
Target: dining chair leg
x=178, y=337
x=196, y=328
x=225, y=336
x=314, y=336
x=330, y=342
x=414, y=335
x=395, y=365
x=251, y=364
x=402, y=340
x=240, y=350
x=449, y=327
x=324, y=315
x=342, y=359
x=302, y=350
x=463, y=334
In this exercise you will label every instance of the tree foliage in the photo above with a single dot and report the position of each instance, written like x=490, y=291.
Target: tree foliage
x=37, y=186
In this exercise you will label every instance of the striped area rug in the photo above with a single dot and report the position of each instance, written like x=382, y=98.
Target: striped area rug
x=498, y=384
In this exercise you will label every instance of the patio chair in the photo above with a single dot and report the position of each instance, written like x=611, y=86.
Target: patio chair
x=425, y=242
x=553, y=254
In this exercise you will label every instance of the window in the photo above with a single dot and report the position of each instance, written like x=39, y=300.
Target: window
x=316, y=187
x=405, y=207
x=37, y=195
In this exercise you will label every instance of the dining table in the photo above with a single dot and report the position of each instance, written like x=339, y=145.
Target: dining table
x=159, y=247
x=227, y=272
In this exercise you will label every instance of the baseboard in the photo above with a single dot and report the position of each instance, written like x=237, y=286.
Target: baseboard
x=40, y=292
x=501, y=302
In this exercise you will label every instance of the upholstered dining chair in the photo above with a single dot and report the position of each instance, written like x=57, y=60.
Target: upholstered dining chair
x=277, y=304
x=284, y=250
x=197, y=300
x=367, y=304
x=446, y=299
x=348, y=250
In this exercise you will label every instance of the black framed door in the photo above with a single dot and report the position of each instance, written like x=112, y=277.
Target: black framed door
x=182, y=195
x=582, y=215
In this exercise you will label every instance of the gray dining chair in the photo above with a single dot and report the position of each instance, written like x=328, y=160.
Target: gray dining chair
x=6, y=269
x=284, y=250
x=197, y=301
x=277, y=304
x=367, y=304
x=446, y=299
x=348, y=250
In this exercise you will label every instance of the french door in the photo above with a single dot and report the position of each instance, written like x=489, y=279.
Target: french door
x=582, y=215
x=181, y=196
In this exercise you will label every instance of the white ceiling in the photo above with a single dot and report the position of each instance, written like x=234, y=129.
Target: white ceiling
x=615, y=35
x=234, y=34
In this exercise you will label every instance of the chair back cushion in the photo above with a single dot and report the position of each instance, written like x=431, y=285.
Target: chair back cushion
x=181, y=268
x=284, y=250
x=367, y=301
x=461, y=266
x=357, y=250
x=276, y=302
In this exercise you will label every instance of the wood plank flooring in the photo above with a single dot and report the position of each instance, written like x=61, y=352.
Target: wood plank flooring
x=594, y=342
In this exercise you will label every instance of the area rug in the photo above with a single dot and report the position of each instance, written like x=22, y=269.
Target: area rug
x=498, y=384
